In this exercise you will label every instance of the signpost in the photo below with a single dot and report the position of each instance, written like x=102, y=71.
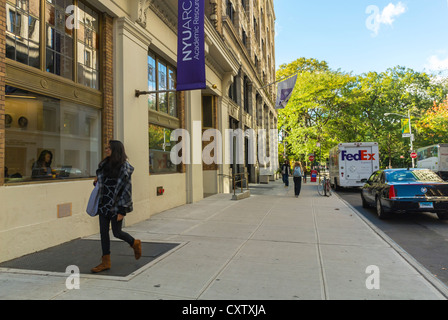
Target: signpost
x=406, y=129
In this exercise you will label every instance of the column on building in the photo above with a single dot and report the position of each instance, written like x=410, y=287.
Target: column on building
x=131, y=112
x=149, y=48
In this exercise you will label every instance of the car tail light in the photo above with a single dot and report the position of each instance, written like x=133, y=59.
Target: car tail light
x=392, y=193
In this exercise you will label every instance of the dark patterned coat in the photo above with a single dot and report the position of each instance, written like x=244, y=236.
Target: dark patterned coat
x=123, y=191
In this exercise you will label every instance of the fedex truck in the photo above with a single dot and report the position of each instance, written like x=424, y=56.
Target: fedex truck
x=349, y=163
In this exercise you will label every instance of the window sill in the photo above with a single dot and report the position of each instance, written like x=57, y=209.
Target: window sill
x=163, y=119
x=26, y=183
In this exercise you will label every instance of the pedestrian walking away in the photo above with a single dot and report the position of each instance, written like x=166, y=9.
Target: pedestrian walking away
x=297, y=176
x=286, y=172
x=115, y=193
x=305, y=172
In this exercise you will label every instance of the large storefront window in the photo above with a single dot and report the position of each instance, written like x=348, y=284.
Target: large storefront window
x=49, y=139
x=160, y=150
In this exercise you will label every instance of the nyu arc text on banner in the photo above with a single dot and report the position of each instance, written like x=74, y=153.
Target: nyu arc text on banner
x=190, y=47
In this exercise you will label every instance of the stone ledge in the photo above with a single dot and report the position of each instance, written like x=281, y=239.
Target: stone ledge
x=240, y=196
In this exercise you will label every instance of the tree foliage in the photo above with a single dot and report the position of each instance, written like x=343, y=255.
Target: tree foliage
x=329, y=106
x=432, y=127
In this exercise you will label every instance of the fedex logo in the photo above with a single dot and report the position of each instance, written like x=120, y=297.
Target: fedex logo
x=362, y=155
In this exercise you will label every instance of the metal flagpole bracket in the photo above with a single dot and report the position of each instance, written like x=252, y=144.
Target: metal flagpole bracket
x=284, y=78
x=139, y=93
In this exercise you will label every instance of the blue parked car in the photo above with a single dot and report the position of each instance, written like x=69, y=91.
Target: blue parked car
x=406, y=190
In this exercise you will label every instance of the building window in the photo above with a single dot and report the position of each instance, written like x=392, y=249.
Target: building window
x=59, y=40
x=246, y=94
x=88, y=47
x=23, y=31
x=244, y=38
x=230, y=11
x=162, y=77
x=233, y=92
x=48, y=139
x=160, y=150
x=208, y=112
x=27, y=20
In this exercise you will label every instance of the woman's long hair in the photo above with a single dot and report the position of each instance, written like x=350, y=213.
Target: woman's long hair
x=117, y=158
x=298, y=164
x=41, y=161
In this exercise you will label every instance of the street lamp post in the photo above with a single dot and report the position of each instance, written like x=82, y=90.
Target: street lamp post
x=410, y=131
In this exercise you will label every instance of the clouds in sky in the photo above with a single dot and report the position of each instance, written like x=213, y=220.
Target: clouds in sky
x=386, y=16
x=436, y=64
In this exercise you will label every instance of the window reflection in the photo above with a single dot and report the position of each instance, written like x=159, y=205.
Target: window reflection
x=161, y=77
x=22, y=32
x=160, y=150
x=152, y=82
x=59, y=48
x=88, y=47
x=24, y=25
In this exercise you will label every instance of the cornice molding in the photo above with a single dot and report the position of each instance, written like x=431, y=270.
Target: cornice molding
x=127, y=27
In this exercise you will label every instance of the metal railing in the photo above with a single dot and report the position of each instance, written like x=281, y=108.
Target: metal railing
x=243, y=177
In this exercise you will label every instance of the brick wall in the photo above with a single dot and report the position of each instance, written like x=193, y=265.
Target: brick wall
x=107, y=79
x=2, y=88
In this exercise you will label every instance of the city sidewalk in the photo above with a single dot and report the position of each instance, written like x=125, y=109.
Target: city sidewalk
x=271, y=246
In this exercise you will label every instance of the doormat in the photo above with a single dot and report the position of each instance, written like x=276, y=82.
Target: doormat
x=85, y=254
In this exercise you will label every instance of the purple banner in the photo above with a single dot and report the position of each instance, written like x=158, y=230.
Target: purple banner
x=190, y=46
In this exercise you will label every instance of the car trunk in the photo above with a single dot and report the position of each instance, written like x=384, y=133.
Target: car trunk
x=420, y=190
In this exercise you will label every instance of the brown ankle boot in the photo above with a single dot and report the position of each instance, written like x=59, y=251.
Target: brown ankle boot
x=105, y=264
x=137, y=246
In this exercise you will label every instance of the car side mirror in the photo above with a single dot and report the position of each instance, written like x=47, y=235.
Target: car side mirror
x=364, y=181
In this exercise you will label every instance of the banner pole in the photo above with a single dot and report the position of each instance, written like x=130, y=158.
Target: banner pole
x=285, y=78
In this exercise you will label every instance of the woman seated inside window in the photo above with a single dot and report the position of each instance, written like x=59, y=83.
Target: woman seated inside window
x=42, y=167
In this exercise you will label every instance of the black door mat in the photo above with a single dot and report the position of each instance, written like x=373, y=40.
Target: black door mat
x=86, y=254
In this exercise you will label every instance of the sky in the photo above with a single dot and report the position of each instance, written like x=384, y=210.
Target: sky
x=360, y=36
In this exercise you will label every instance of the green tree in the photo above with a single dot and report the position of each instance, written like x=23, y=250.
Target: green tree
x=432, y=127
x=320, y=95
x=330, y=107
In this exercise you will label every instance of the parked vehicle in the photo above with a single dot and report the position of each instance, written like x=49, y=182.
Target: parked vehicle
x=406, y=190
x=350, y=163
x=434, y=157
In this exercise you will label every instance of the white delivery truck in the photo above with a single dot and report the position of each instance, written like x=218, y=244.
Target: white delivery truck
x=434, y=158
x=349, y=163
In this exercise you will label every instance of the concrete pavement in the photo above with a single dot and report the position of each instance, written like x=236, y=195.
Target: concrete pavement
x=271, y=246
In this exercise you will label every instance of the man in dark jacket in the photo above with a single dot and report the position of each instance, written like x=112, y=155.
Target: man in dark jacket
x=286, y=172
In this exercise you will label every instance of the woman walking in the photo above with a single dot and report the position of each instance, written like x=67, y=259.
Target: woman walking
x=297, y=176
x=115, y=185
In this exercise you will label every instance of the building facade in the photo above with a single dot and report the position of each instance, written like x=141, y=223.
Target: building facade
x=69, y=71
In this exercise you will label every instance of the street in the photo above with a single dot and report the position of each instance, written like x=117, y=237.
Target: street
x=423, y=236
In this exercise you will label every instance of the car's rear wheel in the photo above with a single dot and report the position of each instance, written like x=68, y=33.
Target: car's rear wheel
x=382, y=214
x=365, y=204
x=443, y=215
